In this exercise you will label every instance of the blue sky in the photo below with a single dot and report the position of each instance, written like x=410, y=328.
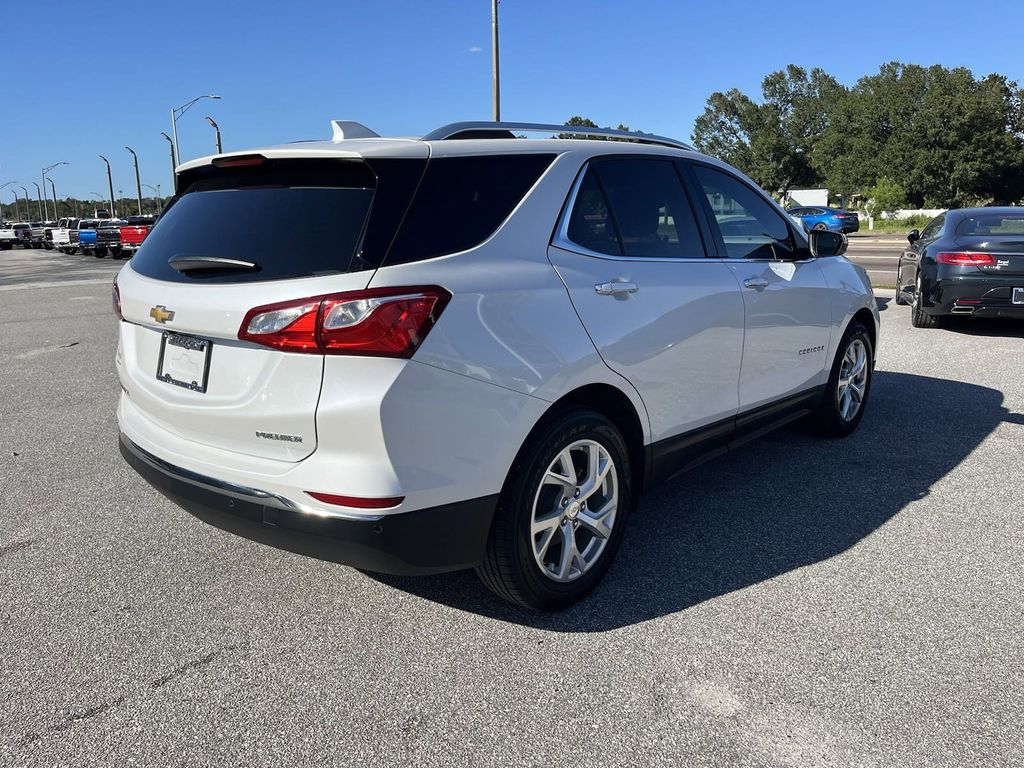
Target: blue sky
x=284, y=69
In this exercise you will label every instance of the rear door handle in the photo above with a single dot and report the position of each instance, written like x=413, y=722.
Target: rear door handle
x=757, y=283
x=615, y=289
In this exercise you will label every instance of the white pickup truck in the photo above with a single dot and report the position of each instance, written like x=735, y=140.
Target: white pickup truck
x=15, y=234
x=64, y=237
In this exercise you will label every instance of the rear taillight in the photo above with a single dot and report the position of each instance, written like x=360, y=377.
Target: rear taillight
x=116, y=298
x=239, y=161
x=966, y=259
x=382, y=322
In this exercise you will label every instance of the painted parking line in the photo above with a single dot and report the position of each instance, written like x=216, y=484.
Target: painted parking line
x=57, y=283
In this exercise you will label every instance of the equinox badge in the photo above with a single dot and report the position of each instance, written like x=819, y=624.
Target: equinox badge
x=161, y=314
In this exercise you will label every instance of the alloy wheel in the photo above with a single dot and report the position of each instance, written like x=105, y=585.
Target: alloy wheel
x=574, y=510
x=853, y=380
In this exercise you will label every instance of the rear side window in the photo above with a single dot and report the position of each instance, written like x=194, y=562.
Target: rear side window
x=461, y=201
x=292, y=219
x=649, y=207
x=590, y=223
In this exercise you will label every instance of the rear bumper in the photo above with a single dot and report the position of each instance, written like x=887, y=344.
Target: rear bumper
x=434, y=540
x=978, y=296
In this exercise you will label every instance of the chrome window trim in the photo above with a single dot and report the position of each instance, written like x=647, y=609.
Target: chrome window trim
x=561, y=237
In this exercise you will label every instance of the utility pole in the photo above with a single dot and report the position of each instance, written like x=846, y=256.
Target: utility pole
x=110, y=187
x=138, y=183
x=496, y=91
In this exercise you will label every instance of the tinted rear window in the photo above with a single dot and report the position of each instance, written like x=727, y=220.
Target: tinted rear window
x=292, y=219
x=991, y=224
x=461, y=201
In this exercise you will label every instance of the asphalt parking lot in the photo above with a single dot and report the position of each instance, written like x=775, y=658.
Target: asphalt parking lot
x=797, y=603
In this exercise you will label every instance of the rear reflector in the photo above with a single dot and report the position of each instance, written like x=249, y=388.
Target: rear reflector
x=239, y=161
x=381, y=322
x=966, y=259
x=356, y=501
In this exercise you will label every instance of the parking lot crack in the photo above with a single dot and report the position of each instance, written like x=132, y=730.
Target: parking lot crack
x=189, y=666
x=7, y=549
x=85, y=714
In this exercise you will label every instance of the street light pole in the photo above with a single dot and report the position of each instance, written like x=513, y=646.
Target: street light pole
x=45, y=171
x=17, y=205
x=28, y=206
x=216, y=127
x=159, y=200
x=496, y=91
x=110, y=187
x=53, y=186
x=174, y=164
x=46, y=210
x=39, y=197
x=138, y=183
x=178, y=112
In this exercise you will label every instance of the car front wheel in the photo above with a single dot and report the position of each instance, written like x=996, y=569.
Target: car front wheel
x=561, y=515
x=849, y=384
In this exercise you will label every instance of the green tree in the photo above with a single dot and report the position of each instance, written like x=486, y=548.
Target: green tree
x=774, y=140
x=948, y=138
x=886, y=196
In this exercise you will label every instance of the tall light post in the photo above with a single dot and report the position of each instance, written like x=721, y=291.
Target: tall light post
x=39, y=197
x=28, y=207
x=44, y=172
x=138, y=183
x=174, y=161
x=216, y=127
x=17, y=204
x=7, y=184
x=159, y=200
x=496, y=91
x=53, y=186
x=178, y=112
x=110, y=187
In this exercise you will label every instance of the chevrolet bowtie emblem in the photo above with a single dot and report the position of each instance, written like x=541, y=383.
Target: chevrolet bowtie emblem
x=161, y=314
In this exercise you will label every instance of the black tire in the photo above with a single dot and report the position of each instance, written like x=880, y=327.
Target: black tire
x=509, y=568
x=99, y=253
x=828, y=420
x=900, y=299
x=918, y=317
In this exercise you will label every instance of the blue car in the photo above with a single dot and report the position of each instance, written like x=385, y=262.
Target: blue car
x=819, y=217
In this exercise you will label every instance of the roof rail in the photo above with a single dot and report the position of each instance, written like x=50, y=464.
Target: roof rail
x=492, y=130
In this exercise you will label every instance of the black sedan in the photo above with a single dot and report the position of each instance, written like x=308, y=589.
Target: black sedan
x=968, y=261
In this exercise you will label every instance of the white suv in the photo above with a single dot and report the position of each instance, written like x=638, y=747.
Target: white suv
x=472, y=350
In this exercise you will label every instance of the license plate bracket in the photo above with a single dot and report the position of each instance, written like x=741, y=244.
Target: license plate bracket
x=1018, y=295
x=184, y=361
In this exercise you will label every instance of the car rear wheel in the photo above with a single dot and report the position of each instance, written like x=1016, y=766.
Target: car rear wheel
x=849, y=385
x=561, y=515
x=820, y=226
x=918, y=317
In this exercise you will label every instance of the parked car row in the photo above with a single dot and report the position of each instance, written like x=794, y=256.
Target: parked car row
x=96, y=237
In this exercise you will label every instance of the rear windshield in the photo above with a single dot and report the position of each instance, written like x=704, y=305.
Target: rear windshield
x=297, y=221
x=303, y=218
x=991, y=224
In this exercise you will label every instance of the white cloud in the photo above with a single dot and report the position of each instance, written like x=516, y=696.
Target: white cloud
x=476, y=49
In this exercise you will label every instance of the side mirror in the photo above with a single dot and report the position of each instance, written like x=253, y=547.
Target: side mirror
x=826, y=243
x=913, y=236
